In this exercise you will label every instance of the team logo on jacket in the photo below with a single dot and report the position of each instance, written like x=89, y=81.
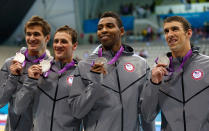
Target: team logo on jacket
x=129, y=67
x=197, y=74
x=70, y=80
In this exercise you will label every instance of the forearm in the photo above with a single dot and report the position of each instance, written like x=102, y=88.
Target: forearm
x=8, y=87
x=149, y=104
x=25, y=95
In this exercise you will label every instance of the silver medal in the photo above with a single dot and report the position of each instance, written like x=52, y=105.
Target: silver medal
x=19, y=57
x=45, y=65
x=163, y=60
x=100, y=60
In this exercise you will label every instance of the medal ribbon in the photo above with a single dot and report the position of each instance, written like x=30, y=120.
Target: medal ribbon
x=34, y=61
x=186, y=57
x=65, y=68
x=115, y=58
x=68, y=66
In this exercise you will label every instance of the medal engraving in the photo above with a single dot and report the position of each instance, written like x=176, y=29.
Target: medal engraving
x=101, y=60
x=163, y=60
x=45, y=65
x=19, y=57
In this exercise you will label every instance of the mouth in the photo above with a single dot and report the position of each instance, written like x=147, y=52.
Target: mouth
x=104, y=37
x=33, y=44
x=172, y=41
x=58, y=51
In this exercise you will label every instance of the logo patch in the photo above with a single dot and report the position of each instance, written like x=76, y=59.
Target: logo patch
x=197, y=74
x=129, y=67
x=70, y=80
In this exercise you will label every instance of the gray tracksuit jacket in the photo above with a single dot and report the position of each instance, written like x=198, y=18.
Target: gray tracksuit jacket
x=9, y=85
x=110, y=103
x=48, y=96
x=183, y=97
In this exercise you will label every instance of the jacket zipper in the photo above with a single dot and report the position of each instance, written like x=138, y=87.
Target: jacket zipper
x=121, y=100
x=184, y=117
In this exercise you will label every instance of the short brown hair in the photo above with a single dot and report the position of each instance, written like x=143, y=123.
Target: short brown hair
x=38, y=21
x=113, y=15
x=69, y=31
x=182, y=20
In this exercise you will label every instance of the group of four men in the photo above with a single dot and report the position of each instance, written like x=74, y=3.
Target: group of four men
x=112, y=90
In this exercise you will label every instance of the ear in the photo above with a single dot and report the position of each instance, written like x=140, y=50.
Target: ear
x=47, y=38
x=189, y=33
x=122, y=31
x=75, y=46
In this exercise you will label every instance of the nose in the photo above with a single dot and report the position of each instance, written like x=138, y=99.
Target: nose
x=59, y=44
x=104, y=30
x=32, y=37
x=170, y=34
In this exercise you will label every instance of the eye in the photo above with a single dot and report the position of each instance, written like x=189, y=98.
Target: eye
x=36, y=34
x=64, y=41
x=99, y=27
x=175, y=28
x=110, y=25
x=28, y=34
x=166, y=31
x=56, y=41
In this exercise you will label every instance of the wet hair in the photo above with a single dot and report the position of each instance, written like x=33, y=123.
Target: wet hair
x=113, y=15
x=69, y=31
x=38, y=21
x=186, y=25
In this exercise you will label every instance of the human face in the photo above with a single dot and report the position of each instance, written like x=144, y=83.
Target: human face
x=109, y=34
x=35, y=39
x=63, y=47
x=176, y=38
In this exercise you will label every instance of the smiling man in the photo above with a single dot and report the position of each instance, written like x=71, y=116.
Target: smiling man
x=179, y=86
x=14, y=71
x=107, y=86
x=48, y=91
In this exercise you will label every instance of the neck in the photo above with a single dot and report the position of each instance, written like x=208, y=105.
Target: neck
x=68, y=60
x=182, y=52
x=36, y=53
x=115, y=47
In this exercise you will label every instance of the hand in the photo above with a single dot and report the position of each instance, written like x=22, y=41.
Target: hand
x=34, y=71
x=98, y=68
x=158, y=73
x=16, y=68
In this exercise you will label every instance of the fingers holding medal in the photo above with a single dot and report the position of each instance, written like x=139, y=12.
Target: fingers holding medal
x=34, y=71
x=160, y=70
x=16, y=66
x=100, y=65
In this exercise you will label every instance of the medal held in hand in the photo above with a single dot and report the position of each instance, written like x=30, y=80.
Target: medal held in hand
x=45, y=65
x=19, y=57
x=163, y=60
x=100, y=60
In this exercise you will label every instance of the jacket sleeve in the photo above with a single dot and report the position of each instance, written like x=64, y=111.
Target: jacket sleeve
x=25, y=96
x=149, y=101
x=83, y=95
x=8, y=85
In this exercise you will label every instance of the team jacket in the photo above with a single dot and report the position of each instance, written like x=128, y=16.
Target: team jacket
x=9, y=85
x=112, y=104
x=48, y=96
x=183, y=97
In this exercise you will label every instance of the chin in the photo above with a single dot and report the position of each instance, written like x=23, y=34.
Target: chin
x=33, y=49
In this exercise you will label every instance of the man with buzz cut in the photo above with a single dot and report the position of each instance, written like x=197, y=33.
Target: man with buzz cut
x=107, y=86
x=14, y=71
x=178, y=85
